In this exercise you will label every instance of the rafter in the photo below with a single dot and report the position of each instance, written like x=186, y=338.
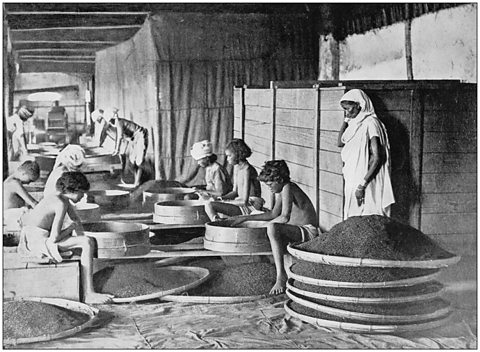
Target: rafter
x=79, y=13
x=76, y=28
x=59, y=57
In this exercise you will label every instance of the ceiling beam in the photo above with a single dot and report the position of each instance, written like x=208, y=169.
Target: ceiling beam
x=59, y=57
x=75, y=28
x=53, y=49
x=59, y=60
x=100, y=42
x=94, y=13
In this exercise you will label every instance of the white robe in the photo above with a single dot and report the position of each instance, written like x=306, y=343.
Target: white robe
x=355, y=156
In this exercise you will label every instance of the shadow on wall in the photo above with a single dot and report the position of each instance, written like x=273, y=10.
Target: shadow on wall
x=405, y=188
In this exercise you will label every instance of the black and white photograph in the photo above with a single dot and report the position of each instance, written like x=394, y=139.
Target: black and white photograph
x=239, y=175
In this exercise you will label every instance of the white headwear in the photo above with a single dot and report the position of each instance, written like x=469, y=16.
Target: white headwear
x=97, y=115
x=366, y=105
x=201, y=149
x=72, y=156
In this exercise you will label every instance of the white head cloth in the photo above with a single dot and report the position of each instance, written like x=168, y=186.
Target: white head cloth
x=357, y=96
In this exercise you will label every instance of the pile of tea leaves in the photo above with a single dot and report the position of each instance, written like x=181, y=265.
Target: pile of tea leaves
x=301, y=309
x=386, y=292
x=405, y=309
x=138, y=279
x=252, y=279
x=26, y=319
x=376, y=237
x=355, y=274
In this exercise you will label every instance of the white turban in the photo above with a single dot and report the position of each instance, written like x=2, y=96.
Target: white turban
x=97, y=115
x=72, y=156
x=201, y=150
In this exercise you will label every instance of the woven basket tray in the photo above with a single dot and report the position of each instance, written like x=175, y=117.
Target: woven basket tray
x=369, y=317
x=63, y=303
x=365, y=262
x=367, y=328
x=364, y=300
x=203, y=275
x=328, y=283
x=211, y=299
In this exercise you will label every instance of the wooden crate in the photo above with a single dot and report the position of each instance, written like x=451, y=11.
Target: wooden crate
x=22, y=279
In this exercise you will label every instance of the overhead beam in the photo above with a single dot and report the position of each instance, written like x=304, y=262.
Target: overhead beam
x=76, y=28
x=54, y=57
x=107, y=42
x=82, y=13
x=54, y=49
x=63, y=60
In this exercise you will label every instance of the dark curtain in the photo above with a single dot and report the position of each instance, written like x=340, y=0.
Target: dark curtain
x=176, y=75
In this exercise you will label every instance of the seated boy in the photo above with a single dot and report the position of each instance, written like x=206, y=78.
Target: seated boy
x=16, y=198
x=48, y=229
x=293, y=217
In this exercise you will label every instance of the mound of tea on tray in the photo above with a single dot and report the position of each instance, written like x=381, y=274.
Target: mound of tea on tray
x=138, y=279
x=384, y=292
x=355, y=274
x=24, y=319
x=251, y=279
x=376, y=237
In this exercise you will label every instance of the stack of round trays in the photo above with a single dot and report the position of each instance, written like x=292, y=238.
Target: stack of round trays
x=366, y=295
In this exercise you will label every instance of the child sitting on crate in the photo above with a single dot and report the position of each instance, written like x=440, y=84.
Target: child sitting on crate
x=16, y=199
x=217, y=179
x=245, y=197
x=48, y=230
x=293, y=217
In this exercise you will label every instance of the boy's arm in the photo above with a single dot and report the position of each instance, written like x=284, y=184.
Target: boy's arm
x=266, y=216
x=76, y=219
x=286, y=205
x=23, y=193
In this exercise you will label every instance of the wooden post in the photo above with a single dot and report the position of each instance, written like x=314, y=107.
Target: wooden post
x=273, y=89
x=316, y=159
x=416, y=152
x=156, y=128
x=408, y=48
x=243, y=112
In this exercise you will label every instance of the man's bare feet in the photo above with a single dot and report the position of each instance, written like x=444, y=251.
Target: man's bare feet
x=97, y=298
x=279, y=286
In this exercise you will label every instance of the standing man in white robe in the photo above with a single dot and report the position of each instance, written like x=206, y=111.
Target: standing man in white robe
x=366, y=158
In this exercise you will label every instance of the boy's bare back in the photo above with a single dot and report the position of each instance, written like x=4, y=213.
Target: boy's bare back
x=11, y=198
x=303, y=212
x=43, y=213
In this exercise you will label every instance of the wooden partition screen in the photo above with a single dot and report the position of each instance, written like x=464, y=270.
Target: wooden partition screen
x=432, y=132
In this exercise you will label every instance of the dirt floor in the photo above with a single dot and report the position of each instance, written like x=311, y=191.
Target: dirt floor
x=264, y=324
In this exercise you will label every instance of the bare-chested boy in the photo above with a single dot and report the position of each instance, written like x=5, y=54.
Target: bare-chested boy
x=293, y=217
x=47, y=231
x=14, y=193
x=245, y=196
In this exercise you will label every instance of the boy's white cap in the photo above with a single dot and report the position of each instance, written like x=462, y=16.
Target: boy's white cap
x=201, y=149
x=96, y=115
x=72, y=156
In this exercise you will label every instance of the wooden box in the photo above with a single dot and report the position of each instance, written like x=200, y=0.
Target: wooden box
x=22, y=279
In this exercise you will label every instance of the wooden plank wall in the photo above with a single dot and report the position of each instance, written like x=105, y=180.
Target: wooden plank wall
x=258, y=130
x=295, y=135
x=432, y=132
x=330, y=190
x=449, y=168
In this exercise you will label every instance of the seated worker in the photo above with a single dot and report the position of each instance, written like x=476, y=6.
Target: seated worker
x=16, y=199
x=125, y=130
x=70, y=158
x=293, y=217
x=48, y=230
x=217, y=179
x=246, y=193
